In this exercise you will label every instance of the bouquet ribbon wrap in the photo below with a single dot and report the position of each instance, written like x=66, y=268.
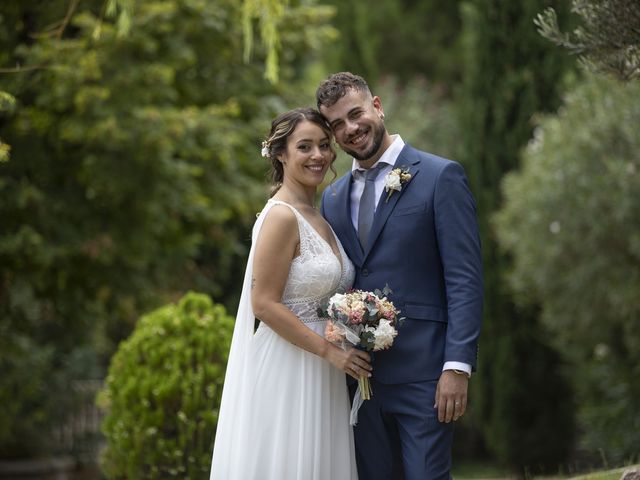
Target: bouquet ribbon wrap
x=355, y=406
x=360, y=395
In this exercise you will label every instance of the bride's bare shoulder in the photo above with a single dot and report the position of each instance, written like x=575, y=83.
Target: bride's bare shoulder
x=280, y=226
x=281, y=216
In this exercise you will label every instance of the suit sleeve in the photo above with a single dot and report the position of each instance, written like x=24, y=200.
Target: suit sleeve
x=459, y=243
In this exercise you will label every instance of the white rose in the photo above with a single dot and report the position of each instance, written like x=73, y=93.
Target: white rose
x=384, y=335
x=392, y=181
x=338, y=301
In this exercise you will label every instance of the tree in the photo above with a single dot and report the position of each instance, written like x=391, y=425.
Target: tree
x=583, y=163
x=571, y=221
x=421, y=112
x=135, y=171
x=510, y=74
x=608, y=39
x=401, y=38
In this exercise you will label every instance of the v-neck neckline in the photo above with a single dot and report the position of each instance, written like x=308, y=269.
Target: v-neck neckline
x=339, y=256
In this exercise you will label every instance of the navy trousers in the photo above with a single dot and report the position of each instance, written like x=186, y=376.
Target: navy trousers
x=398, y=435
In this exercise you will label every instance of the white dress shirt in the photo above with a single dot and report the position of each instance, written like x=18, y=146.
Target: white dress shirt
x=389, y=158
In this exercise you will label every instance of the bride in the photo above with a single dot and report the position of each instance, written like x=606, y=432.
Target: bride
x=285, y=408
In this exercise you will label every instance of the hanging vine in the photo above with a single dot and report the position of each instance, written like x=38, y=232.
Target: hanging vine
x=270, y=14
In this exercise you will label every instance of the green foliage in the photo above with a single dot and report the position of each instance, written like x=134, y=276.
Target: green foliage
x=123, y=11
x=135, y=171
x=398, y=37
x=608, y=38
x=571, y=221
x=7, y=107
x=37, y=393
x=271, y=16
x=421, y=113
x=163, y=392
x=23, y=395
x=7, y=103
x=270, y=13
x=128, y=170
x=510, y=74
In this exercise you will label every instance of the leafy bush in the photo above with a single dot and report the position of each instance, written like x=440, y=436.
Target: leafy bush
x=572, y=223
x=163, y=392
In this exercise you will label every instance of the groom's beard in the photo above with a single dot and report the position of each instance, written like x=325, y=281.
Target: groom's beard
x=378, y=135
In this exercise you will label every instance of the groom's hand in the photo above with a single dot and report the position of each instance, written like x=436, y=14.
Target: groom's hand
x=451, y=396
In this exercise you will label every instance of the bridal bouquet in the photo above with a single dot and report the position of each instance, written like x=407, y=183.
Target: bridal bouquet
x=364, y=319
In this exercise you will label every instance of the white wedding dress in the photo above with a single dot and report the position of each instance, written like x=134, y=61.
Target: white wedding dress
x=285, y=412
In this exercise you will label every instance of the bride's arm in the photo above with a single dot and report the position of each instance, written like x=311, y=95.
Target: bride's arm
x=276, y=246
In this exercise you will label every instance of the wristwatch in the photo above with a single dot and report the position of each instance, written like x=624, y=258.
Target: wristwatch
x=460, y=372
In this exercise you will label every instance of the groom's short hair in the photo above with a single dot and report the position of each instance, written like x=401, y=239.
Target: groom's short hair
x=336, y=86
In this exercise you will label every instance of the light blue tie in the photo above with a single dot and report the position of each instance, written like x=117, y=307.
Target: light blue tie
x=367, y=204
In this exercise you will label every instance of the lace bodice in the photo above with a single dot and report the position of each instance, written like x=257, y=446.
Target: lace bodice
x=316, y=274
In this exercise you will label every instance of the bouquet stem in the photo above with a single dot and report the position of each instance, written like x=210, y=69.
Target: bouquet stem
x=365, y=387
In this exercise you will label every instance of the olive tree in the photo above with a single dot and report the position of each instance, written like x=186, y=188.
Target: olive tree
x=571, y=221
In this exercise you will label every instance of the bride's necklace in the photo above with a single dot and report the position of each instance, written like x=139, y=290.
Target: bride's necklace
x=299, y=204
x=302, y=207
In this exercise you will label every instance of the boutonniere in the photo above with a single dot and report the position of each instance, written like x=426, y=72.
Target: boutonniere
x=395, y=180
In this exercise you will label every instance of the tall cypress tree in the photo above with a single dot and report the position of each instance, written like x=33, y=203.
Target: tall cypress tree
x=423, y=36
x=521, y=399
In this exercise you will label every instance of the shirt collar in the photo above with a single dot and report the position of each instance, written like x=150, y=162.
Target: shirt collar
x=389, y=156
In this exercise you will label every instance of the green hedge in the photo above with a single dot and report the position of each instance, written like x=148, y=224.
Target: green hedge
x=163, y=392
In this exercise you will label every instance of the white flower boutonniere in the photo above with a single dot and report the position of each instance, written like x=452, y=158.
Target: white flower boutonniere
x=395, y=180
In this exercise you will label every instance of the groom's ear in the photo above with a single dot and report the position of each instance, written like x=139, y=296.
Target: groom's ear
x=377, y=104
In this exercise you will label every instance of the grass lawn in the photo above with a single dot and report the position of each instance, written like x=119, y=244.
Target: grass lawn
x=606, y=475
x=478, y=471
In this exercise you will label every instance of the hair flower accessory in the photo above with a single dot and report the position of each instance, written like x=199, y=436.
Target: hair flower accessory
x=395, y=180
x=265, y=150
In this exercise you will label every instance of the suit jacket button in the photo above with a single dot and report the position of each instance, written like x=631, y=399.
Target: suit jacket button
x=364, y=272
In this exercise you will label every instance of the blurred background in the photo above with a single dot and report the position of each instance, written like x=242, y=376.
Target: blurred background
x=130, y=177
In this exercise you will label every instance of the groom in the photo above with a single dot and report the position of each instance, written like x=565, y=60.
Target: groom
x=406, y=218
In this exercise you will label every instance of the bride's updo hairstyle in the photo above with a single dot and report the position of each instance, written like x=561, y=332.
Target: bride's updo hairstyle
x=281, y=129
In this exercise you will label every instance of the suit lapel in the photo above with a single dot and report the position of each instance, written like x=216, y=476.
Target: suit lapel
x=385, y=207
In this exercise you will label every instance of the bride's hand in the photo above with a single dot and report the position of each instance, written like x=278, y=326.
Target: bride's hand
x=352, y=361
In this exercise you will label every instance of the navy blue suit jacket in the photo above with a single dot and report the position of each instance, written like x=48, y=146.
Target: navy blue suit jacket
x=424, y=244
